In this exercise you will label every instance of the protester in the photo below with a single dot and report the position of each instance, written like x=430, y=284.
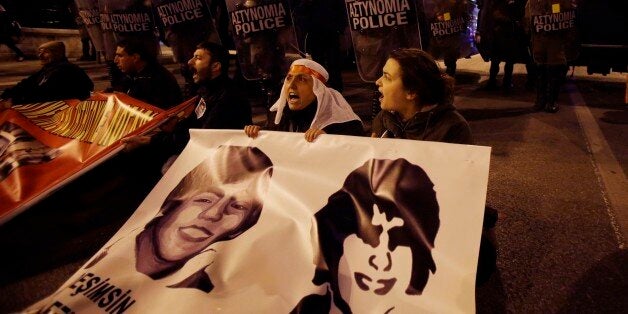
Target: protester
x=58, y=79
x=221, y=105
x=553, y=45
x=416, y=101
x=146, y=80
x=182, y=35
x=417, y=104
x=312, y=107
x=8, y=30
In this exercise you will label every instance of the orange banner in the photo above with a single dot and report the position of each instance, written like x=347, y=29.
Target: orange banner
x=43, y=146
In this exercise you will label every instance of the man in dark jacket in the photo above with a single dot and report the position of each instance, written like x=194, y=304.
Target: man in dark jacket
x=220, y=104
x=146, y=80
x=58, y=79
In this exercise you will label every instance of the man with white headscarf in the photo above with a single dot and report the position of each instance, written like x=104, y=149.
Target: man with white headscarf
x=312, y=107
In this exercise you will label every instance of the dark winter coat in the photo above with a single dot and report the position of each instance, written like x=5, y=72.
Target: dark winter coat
x=441, y=124
x=155, y=85
x=55, y=81
x=226, y=107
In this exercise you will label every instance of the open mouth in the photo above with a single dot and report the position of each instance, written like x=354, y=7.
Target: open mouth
x=293, y=97
x=194, y=233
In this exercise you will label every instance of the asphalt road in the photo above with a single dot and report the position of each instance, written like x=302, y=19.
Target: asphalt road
x=557, y=180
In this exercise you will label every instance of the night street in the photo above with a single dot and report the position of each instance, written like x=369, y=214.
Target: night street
x=558, y=181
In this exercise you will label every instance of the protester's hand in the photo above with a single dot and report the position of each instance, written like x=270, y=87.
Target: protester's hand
x=5, y=104
x=312, y=134
x=252, y=131
x=135, y=142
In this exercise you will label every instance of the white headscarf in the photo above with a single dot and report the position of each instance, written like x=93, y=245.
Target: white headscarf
x=332, y=106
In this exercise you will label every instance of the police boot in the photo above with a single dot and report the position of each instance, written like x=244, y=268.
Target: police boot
x=507, y=85
x=551, y=107
x=491, y=84
x=556, y=74
x=541, y=87
x=551, y=94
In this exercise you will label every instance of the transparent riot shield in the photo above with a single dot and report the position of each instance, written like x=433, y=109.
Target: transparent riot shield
x=379, y=27
x=90, y=15
x=122, y=19
x=185, y=24
x=552, y=25
x=264, y=37
x=451, y=26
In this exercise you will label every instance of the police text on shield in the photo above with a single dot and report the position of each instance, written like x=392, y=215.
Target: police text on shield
x=371, y=14
x=554, y=22
x=259, y=18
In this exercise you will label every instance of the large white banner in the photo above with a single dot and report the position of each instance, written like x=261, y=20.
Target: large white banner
x=277, y=224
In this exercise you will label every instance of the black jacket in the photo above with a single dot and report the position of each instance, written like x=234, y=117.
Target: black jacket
x=155, y=85
x=226, y=108
x=55, y=81
x=441, y=124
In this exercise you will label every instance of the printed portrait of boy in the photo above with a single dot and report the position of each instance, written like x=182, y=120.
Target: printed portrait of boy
x=216, y=201
x=376, y=235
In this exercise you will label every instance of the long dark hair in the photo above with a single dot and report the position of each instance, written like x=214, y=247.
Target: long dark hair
x=399, y=189
x=420, y=74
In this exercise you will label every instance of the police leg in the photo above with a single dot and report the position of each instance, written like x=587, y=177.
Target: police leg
x=450, y=63
x=556, y=75
x=507, y=82
x=11, y=44
x=541, y=87
x=492, y=78
x=531, y=75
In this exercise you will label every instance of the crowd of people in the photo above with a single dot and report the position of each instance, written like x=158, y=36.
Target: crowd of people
x=416, y=95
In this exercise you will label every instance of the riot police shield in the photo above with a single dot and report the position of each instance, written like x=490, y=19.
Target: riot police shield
x=451, y=26
x=500, y=31
x=264, y=37
x=552, y=26
x=185, y=24
x=123, y=19
x=379, y=27
x=89, y=14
